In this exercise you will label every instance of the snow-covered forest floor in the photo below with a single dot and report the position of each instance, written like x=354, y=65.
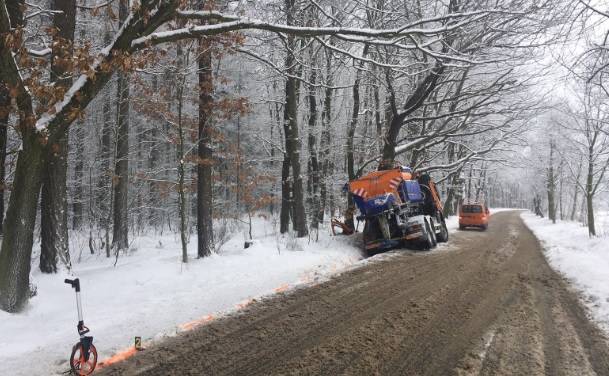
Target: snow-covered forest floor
x=151, y=294
x=584, y=261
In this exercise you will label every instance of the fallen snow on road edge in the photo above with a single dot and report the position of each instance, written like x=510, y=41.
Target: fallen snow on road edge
x=584, y=261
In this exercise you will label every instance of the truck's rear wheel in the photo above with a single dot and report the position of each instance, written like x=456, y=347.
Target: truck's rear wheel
x=430, y=237
x=443, y=235
x=434, y=238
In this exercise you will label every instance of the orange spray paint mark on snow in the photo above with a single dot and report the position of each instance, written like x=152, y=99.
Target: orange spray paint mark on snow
x=306, y=278
x=126, y=354
x=282, y=288
x=118, y=357
x=244, y=303
x=195, y=323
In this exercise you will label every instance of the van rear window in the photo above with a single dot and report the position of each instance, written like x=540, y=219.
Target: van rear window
x=471, y=209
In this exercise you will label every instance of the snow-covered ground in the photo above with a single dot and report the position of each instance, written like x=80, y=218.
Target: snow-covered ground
x=150, y=293
x=584, y=261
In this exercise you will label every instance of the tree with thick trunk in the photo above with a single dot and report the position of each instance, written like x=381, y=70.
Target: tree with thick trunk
x=590, y=189
x=15, y=14
x=285, y=212
x=290, y=127
x=54, y=200
x=326, y=120
x=551, y=185
x=79, y=170
x=120, y=228
x=576, y=189
x=350, y=138
x=104, y=184
x=313, y=165
x=182, y=207
x=15, y=266
x=205, y=232
x=18, y=226
x=5, y=110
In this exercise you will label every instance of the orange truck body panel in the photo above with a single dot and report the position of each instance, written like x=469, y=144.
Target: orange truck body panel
x=436, y=197
x=378, y=183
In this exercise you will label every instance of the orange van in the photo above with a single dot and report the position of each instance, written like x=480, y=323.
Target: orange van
x=473, y=215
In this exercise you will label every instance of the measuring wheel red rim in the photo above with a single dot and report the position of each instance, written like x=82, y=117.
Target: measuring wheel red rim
x=78, y=364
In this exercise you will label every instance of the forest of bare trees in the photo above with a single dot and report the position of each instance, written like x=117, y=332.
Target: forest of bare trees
x=120, y=118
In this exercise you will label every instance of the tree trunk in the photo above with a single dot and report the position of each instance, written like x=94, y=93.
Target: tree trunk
x=275, y=121
x=181, y=192
x=551, y=186
x=105, y=181
x=292, y=139
x=54, y=200
x=480, y=187
x=377, y=111
x=204, y=167
x=286, y=196
x=590, y=211
x=120, y=228
x=326, y=118
x=153, y=162
x=469, y=182
x=590, y=193
x=16, y=251
x=350, y=143
x=79, y=167
x=18, y=227
x=576, y=191
x=5, y=108
x=182, y=206
x=54, y=205
x=560, y=191
x=313, y=160
x=293, y=151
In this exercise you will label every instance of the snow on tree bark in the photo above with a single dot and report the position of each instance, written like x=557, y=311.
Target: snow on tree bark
x=53, y=199
x=5, y=105
x=205, y=234
x=292, y=139
x=120, y=228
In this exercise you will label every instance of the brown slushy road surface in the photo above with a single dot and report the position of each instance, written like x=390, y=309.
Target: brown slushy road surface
x=485, y=304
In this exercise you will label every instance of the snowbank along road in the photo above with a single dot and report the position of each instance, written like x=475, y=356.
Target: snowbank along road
x=489, y=304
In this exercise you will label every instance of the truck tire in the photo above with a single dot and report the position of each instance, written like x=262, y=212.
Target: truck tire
x=434, y=237
x=443, y=235
x=430, y=238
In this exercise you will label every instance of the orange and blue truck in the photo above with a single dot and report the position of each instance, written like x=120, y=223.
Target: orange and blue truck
x=399, y=208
